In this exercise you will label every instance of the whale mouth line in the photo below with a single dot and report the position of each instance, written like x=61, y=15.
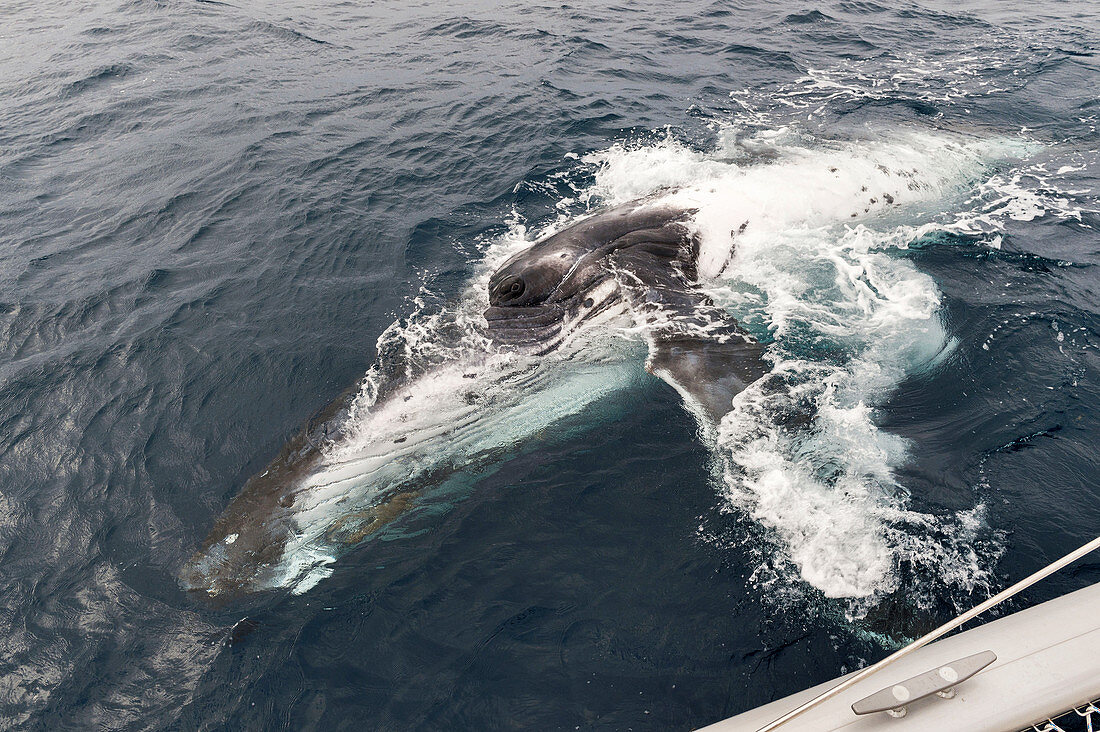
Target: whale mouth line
x=544, y=326
x=526, y=326
x=503, y=316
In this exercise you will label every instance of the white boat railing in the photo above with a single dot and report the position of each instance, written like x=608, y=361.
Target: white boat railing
x=938, y=633
x=1051, y=723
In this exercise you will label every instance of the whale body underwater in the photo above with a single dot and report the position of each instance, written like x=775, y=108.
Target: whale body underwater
x=637, y=259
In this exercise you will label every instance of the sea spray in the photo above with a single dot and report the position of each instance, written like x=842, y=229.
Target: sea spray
x=800, y=240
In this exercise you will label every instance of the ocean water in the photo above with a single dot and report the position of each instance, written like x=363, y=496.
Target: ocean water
x=217, y=217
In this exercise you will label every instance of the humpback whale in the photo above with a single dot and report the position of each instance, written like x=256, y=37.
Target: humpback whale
x=649, y=252
x=343, y=477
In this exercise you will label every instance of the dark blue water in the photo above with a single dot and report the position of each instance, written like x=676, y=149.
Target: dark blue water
x=209, y=212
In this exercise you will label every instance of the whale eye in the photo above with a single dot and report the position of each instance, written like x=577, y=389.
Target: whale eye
x=508, y=291
x=514, y=288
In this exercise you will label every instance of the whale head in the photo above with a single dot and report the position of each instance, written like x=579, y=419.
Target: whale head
x=561, y=278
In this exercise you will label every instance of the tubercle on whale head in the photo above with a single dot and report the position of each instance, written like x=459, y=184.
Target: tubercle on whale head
x=246, y=542
x=223, y=572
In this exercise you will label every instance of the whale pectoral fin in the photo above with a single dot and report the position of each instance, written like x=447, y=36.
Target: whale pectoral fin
x=694, y=345
x=707, y=372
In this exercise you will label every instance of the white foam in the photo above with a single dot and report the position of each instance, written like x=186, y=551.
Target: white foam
x=946, y=80
x=798, y=236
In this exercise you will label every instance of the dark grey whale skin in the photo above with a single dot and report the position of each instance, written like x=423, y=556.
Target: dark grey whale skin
x=648, y=248
x=260, y=516
x=645, y=247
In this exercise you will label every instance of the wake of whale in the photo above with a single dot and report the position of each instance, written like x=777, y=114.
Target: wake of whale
x=795, y=241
